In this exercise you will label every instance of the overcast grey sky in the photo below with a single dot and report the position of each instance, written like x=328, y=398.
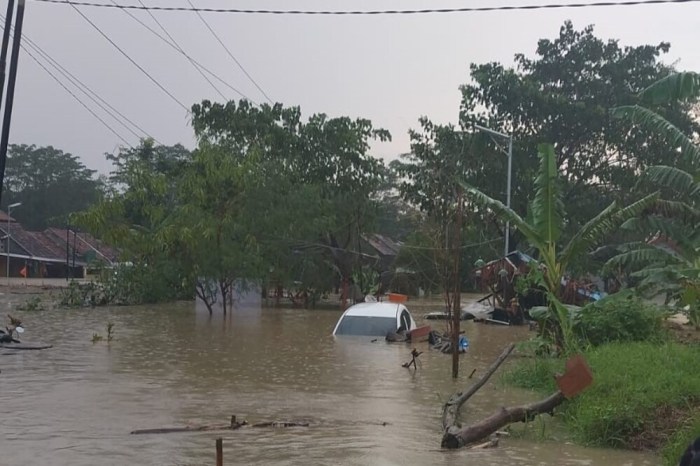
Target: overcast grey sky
x=390, y=69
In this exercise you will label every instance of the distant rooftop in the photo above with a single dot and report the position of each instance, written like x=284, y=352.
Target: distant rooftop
x=4, y=216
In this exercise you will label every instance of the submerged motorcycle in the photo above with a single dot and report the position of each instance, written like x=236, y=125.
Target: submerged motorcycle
x=9, y=337
x=15, y=327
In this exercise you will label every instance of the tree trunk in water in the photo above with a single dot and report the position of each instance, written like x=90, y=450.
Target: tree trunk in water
x=458, y=438
x=450, y=411
x=201, y=293
x=576, y=378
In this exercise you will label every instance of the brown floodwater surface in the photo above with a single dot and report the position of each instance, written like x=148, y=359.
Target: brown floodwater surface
x=76, y=403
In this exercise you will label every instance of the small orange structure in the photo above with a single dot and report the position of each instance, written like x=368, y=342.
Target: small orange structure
x=397, y=298
x=577, y=377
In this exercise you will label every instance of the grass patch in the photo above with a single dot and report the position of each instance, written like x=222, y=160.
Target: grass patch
x=642, y=394
x=679, y=441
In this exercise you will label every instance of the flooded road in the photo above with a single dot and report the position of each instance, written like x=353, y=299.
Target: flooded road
x=75, y=404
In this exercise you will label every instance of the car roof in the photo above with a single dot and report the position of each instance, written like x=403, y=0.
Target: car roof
x=375, y=309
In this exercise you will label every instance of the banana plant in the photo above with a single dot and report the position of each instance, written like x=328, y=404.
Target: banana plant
x=542, y=230
x=670, y=265
x=683, y=86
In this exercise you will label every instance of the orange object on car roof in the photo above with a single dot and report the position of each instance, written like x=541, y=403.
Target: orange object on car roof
x=397, y=298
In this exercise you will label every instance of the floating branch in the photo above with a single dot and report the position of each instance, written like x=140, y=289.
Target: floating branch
x=233, y=425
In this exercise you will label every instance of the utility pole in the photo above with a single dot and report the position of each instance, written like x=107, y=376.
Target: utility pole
x=456, y=306
x=10, y=95
x=6, y=42
x=509, y=153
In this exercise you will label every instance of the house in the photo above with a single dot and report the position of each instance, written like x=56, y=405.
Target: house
x=53, y=253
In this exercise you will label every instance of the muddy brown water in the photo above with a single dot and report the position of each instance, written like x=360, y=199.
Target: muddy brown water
x=76, y=403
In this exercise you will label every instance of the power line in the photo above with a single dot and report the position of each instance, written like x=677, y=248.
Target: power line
x=211, y=73
x=160, y=86
x=92, y=95
x=77, y=98
x=379, y=12
x=216, y=36
x=65, y=72
x=179, y=48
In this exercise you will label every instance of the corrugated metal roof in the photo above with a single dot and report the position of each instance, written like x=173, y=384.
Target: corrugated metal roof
x=84, y=244
x=50, y=245
x=26, y=241
x=4, y=216
x=384, y=245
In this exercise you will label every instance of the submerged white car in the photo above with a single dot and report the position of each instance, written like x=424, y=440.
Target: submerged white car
x=374, y=320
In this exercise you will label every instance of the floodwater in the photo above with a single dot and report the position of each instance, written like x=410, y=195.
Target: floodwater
x=76, y=403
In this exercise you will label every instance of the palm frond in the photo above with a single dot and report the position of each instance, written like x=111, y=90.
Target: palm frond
x=677, y=231
x=504, y=213
x=654, y=122
x=677, y=210
x=586, y=237
x=641, y=256
x=547, y=206
x=674, y=178
x=675, y=86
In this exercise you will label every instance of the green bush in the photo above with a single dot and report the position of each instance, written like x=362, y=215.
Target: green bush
x=32, y=304
x=620, y=318
x=127, y=285
x=141, y=284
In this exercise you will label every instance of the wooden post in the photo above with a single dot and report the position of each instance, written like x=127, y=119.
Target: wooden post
x=219, y=452
x=456, y=311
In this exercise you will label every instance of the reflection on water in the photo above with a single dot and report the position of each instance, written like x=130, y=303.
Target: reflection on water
x=76, y=403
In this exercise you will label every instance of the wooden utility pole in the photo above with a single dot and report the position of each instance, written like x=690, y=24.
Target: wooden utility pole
x=456, y=306
x=6, y=42
x=10, y=96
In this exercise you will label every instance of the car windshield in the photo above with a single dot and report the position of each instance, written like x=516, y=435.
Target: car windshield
x=366, y=325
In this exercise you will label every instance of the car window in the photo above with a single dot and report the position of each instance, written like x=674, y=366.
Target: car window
x=365, y=325
x=406, y=320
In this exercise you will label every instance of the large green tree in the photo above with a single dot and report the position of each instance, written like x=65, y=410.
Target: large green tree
x=49, y=183
x=136, y=215
x=329, y=154
x=563, y=93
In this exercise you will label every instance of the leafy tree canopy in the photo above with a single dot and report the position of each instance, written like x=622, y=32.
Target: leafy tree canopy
x=49, y=183
x=564, y=94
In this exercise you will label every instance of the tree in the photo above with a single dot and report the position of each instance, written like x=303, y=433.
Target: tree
x=668, y=263
x=136, y=215
x=330, y=155
x=563, y=94
x=166, y=160
x=49, y=183
x=544, y=225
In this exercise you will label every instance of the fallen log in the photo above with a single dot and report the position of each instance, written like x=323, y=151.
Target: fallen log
x=281, y=424
x=233, y=425
x=576, y=378
x=460, y=437
x=450, y=412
